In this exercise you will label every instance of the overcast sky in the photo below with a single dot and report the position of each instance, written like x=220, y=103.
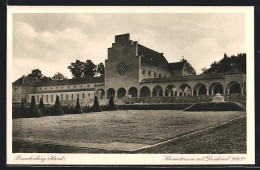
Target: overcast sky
x=50, y=42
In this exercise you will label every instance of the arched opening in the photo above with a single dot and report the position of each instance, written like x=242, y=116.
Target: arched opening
x=121, y=92
x=234, y=88
x=100, y=94
x=145, y=92
x=133, y=92
x=200, y=89
x=111, y=93
x=157, y=91
x=170, y=90
x=185, y=90
x=216, y=88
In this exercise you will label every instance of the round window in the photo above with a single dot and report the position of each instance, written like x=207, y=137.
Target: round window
x=121, y=68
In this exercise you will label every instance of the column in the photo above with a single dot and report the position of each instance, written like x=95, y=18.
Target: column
x=242, y=90
x=212, y=92
x=163, y=92
x=138, y=93
x=192, y=92
x=177, y=93
x=207, y=91
x=197, y=92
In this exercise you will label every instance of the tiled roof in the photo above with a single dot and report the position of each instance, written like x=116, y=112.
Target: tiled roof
x=151, y=57
x=184, y=78
x=72, y=81
x=64, y=91
x=175, y=66
x=25, y=80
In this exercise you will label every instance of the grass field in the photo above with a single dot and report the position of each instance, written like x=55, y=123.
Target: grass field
x=138, y=127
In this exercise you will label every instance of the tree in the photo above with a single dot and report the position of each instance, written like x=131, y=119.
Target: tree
x=188, y=67
x=77, y=69
x=101, y=69
x=111, y=104
x=96, y=106
x=59, y=76
x=45, y=78
x=81, y=69
x=34, y=111
x=78, y=108
x=36, y=73
x=227, y=64
x=22, y=109
x=89, y=69
x=57, y=110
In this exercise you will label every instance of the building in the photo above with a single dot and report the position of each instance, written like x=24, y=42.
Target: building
x=133, y=70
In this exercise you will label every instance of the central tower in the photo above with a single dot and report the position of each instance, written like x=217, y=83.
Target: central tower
x=123, y=63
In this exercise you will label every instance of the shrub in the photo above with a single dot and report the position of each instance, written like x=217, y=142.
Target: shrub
x=212, y=106
x=175, y=106
x=57, y=109
x=68, y=110
x=96, y=107
x=22, y=109
x=86, y=109
x=78, y=108
x=41, y=107
x=34, y=111
x=111, y=104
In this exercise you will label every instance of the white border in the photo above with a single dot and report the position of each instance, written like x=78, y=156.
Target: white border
x=138, y=159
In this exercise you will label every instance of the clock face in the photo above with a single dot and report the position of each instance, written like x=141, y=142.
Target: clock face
x=121, y=68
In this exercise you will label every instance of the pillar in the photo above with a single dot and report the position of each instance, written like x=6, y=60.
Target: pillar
x=212, y=92
x=138, y=93
x=177, y=93
x=207, y=91
x=242, y=90
x=192, y=92
x=197, y=92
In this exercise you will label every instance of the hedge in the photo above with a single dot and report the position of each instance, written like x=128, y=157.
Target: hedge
x=212, y=106
x=175, y=106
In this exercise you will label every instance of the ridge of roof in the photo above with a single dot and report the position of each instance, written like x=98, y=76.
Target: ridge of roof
x=71, y=81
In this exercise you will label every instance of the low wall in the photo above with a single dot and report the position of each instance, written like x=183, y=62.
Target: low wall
x=182, y=99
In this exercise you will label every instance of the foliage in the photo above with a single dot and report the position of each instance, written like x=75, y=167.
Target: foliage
x=212, y=106
x=81, y=69
x=89, y=69
x=227, y=64
x=100, y=69
x=34, y=111
x=59, y=76
x=78, y=108
x=45, y=78
x=175, y=106
x=189, y=68
x=111, y=104
x=96, y=107
x=86, y=109
x=36, y=73
x=57, y=109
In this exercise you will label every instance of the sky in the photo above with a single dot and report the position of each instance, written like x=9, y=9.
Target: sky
x=51, y=41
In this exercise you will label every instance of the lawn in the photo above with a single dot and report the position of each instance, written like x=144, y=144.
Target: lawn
x=139, y=127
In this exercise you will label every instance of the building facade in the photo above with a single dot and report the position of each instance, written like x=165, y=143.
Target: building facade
x=133, y=70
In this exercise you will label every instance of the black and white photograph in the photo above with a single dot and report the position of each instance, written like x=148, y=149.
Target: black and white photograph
x=130, y=85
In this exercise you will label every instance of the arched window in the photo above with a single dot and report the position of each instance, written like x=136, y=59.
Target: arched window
x=149, y=73
x=154, y=74
x=160, y=75
x=143, y=71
